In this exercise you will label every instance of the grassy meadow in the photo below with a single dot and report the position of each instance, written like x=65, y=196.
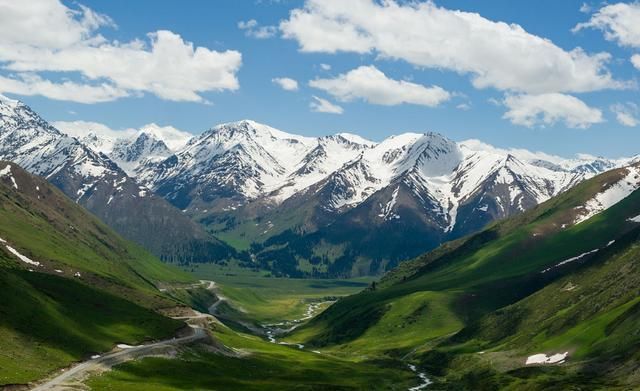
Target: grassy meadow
x=259, y=365
x=269, y=299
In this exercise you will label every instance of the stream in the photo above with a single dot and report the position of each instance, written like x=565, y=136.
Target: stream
x=423, y=377
x=274, y=330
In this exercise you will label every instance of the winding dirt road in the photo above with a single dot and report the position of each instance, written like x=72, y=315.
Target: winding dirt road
x=71, y=379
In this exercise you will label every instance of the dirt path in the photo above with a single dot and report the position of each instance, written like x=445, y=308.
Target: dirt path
x=211, y=286
x=71, y=379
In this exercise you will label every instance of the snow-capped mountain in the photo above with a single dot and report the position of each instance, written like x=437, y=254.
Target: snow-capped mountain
x=142, y=150
x=242, y=161
x=245, y=161
x=32, y=143
x=173, y=138
x=150, y=144
x=339, y=204
x=96, y=182
x=129, y=148
x=249, y=180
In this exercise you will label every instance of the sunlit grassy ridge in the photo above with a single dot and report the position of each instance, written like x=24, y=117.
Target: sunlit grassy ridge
x=262, y=366
x=46, y=322
x=488, y=294
x=91, y=290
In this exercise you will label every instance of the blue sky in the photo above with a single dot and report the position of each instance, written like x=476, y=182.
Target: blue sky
x=468, y=111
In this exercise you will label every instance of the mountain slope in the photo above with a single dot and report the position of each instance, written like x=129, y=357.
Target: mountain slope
x=559, y=278
x=100, y=185
x=70, y=287
x=41, y=223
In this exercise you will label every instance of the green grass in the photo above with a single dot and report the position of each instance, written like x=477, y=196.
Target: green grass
x=269, y=299
x=252, y=230
x=277, y=299
x=265, y=366
x=50, y=318
x=405, y=323
x=582, y=337
x=47, y=322
x=586, y=312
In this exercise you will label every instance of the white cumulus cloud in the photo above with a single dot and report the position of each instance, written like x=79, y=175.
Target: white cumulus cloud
x=46, y=36
x=620, y=22
x=372, y=85
x=320, y=105
x=635, y=60
x=495, y=54
x=549, y=109
x=29, y=84
x=253, y=29
x=585, y=8
x=626, y=113
x=286, y=83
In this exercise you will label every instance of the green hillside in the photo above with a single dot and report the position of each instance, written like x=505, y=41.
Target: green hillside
x=69, y=286
x=250, y=363
x=476, y=308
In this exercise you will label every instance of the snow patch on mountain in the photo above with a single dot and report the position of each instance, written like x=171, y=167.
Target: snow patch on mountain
x=573, y=259
x=386, y=211
x=90, y=168
x=6, y=172
x=542, y=358
x=610, y=195
x=635, y=219
x=21, y=257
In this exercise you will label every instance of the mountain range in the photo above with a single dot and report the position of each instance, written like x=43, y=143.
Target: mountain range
x=98, y=183
x=337, y=205
x=341, y=205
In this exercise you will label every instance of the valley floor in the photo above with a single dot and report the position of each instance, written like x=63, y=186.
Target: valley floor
x=244, y=351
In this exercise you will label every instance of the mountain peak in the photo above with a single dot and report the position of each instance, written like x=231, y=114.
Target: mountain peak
x=255, y=129
x=511, y=159
x=356, y=139
x=173, y=138
x=8, y=101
